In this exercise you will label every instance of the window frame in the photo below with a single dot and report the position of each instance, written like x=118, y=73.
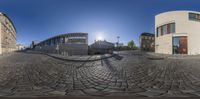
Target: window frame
x=194, y=16
x=166, y=29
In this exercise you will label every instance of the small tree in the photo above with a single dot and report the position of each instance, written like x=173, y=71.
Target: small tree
x=132, y=45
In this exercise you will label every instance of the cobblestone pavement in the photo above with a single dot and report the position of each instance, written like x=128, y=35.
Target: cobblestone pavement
x=131, y=73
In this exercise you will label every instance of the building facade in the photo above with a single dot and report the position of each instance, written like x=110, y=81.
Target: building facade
x=66, y=44
x=101, y=47
x=147, y=42
x=177, y=32
x=20, y=47
x=33, y=44
x=7, y=34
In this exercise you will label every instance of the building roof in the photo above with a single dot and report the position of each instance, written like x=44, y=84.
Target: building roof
x=64, y=35
x=147, y=34
x=173, y=11
x=102, y=44
x=104, y=41
x=9, y=20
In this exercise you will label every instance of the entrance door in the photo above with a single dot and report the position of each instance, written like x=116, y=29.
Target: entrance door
x=180, y=45
x=183, y=45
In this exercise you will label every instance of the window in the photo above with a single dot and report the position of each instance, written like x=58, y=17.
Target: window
x=149, y=37
x=159, y=31
x=172, y=28
x=194, y=16
x=166, y=29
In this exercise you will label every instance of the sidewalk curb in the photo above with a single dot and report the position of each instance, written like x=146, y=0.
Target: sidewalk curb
x=65, y=59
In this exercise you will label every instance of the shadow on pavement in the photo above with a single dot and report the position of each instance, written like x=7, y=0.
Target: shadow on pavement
x=118, y=57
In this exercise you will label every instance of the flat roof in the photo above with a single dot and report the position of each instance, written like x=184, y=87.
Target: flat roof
x=177, y=11
x=63, y=35
x=147, y=34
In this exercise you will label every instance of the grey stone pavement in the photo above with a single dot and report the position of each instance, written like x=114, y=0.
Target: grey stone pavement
x=81, y=58
x=131, y=73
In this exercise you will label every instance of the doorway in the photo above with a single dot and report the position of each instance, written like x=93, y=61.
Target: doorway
x=180, y=45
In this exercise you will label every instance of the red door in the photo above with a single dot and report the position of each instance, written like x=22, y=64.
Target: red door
x=183, y=45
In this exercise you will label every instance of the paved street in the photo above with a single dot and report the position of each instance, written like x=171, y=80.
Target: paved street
x=131, y=73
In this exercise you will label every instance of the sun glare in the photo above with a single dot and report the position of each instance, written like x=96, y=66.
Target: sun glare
x=99, y=36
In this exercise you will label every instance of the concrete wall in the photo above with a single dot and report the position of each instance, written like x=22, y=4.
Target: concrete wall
x=183, y=27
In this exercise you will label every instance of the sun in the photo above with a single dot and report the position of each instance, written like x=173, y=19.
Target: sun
x=99, y=36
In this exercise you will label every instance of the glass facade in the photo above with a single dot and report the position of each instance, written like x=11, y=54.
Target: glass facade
x=165, y=29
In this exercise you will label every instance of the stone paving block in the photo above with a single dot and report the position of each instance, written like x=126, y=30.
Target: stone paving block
x=124, y=94
x=133, y=75
x=100, y=87
x=94, y=92
x=57, y=93
x=5, y=93
x=152, y=93
x=172, y=93
x=76, y=93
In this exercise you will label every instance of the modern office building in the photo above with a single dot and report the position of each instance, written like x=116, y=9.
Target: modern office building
x=147, y=42
x=177, y=32
x=66, y=44
x=101, y=47
x=7, y=34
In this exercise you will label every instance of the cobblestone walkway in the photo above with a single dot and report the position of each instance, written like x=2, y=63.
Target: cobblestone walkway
x=128, y=74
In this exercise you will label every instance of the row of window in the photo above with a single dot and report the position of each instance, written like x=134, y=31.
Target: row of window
x=170, y=28
x=62, y=41
x=194, y=16
x=165, y=29
x=146, y=37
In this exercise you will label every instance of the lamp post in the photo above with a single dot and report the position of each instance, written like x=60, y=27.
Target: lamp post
x=118, y=43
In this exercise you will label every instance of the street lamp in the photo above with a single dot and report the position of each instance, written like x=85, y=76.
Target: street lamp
x=118, y=39
x=118, y=43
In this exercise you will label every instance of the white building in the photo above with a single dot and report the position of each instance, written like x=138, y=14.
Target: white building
x=177, y=32
x=20, y=47
x=7, y=34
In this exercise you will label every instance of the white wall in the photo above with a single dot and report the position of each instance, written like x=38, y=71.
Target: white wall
x=184, y=27
x=0, y=38
x=163, y=44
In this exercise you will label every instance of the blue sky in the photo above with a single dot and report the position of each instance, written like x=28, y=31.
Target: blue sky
x=41, y=19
